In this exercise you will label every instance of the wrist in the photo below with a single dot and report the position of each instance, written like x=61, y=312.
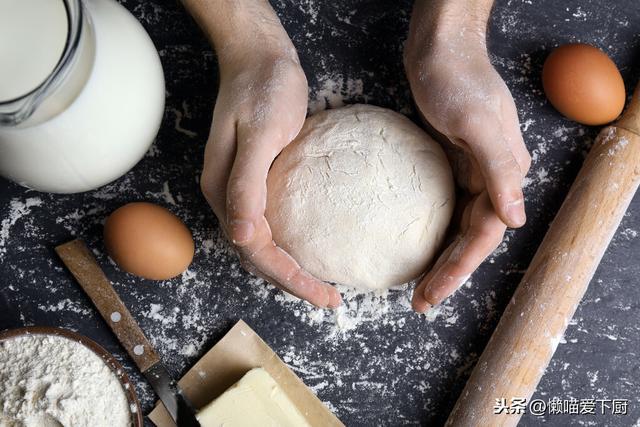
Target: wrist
x=241, y=28
x=250, y=38
x=447, y=26
x=236, y=60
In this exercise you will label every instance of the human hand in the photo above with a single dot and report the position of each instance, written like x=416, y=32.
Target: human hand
x=462, y=96
x=261, y=106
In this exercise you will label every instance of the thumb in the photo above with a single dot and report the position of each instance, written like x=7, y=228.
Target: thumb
x=501, y=172
x=247, y=185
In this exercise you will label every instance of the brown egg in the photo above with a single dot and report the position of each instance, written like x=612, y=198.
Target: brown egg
x=149, y=241
x=584, y=84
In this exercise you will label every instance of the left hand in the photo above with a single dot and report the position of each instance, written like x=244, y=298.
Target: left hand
x=260, y=107
x=462, y=96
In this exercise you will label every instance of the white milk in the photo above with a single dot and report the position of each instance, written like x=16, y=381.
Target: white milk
x=28, y=53
x=99, y=120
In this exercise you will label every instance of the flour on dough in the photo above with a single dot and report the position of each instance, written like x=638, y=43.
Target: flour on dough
x=362, y=197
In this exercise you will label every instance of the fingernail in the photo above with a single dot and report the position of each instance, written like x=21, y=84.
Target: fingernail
x=241, y=231
x=429, y=291
x=434, y=299
x=516, y=213
x=423, y=309
x=437, y=292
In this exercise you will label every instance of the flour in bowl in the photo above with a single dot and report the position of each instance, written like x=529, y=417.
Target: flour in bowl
x=53, y=381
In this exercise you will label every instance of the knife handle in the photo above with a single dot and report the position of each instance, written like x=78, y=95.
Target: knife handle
x=84, y=267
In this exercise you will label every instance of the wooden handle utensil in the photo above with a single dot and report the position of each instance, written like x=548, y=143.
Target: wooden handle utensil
x=84, y=267
x=537, y=316
x=82, y=264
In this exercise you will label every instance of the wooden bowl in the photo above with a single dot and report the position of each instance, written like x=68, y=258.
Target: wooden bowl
x=127, y=386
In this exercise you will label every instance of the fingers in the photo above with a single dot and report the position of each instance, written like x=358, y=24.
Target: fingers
x=481, y=233
x=284, y=272
x=500, y=169
x=249, y=230
x=513, y=136
x=259, y=111
x=465, y=166
x=218, y=160
x=247, y=185
x=232, y=200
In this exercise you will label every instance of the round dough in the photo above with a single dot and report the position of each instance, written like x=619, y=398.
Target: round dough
x=362, y=197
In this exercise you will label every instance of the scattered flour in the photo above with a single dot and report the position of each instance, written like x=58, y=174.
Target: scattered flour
x=381, y=308
x=180, y=115
x=165, y=195
x=17, y=210
x=333, y=91
x=68, y=305
x=629, y=233
x=53, y=381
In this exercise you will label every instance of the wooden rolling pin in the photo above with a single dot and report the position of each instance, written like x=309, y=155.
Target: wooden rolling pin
x=537, y=316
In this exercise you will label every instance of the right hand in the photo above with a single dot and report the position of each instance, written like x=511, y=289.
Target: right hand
x=261, y=106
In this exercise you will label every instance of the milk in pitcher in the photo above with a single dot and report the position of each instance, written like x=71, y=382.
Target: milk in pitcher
x=81, y=93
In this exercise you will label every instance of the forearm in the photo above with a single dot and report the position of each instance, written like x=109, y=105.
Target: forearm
x=237, y=27
x=438, y=22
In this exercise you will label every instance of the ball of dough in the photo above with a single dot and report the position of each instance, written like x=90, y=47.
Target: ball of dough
x=362, y=197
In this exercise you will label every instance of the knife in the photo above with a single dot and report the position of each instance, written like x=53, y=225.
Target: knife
x=84, y=267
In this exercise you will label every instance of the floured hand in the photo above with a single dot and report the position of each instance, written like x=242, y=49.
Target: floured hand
x=261, y=106
x=462, y=96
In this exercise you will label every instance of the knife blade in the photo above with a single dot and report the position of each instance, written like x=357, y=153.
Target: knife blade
x=84, y=267
x=172, y=397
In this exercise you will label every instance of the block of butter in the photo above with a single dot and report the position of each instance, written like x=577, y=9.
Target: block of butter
x=255, y=400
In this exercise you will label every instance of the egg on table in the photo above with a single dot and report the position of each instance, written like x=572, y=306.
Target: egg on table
x=149, y=241
x=584, y=84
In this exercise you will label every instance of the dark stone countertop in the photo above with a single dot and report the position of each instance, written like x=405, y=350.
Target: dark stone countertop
x=379, y=363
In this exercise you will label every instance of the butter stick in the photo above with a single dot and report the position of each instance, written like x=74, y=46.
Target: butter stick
x=255, y=400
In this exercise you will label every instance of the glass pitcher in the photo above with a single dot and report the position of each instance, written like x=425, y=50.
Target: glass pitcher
x=93, y=115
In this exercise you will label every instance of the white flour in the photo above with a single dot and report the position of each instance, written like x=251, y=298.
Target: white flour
x=333, y=91
x=17, y=210
x=53, y=381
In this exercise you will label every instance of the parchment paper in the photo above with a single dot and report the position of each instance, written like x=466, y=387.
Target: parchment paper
x=239, y=351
